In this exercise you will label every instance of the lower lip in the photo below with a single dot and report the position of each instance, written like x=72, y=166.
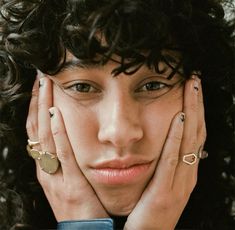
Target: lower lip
x=114, y=176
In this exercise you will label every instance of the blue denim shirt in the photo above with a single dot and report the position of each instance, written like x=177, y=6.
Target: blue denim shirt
x=94, y=224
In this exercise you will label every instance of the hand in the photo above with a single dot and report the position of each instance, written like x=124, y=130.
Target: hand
x=70, y=195
x=167, y=194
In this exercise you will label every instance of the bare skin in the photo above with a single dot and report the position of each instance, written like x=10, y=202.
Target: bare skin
x=164, y=197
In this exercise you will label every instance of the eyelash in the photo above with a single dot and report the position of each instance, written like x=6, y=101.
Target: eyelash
x=75, y=86
x=149, y=86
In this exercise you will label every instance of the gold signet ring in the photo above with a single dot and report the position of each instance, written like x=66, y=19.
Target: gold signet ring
x=48, y=162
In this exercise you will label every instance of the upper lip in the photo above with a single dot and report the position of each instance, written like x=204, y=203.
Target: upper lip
x=118, y=163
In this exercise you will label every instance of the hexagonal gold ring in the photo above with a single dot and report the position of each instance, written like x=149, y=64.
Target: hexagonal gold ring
x=190, y=158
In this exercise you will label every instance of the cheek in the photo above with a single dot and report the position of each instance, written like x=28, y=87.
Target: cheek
x=158, y=116
x=80, y=124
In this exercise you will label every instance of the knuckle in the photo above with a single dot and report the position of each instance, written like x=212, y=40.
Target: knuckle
x=191, y=141
x=41, y=105
x=56, y=130
x=176, y=137
x=43, y=138
x=31, y=127
x=183, y=196
x=194, y=144
x=164, y=202
x=69, y=194
x=62, y=155
x=192, y=107
x=172, y=161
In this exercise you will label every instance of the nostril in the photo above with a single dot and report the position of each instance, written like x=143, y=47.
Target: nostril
x=120, y=135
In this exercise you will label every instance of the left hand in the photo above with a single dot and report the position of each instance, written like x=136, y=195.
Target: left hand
x=70, y=195
x=167, y=194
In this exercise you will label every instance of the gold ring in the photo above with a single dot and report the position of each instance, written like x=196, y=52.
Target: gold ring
x=48, y=162
x=33, y=143
x=191, y=158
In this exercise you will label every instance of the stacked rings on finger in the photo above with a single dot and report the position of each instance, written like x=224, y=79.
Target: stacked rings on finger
x=191, y=158
x=48, y=162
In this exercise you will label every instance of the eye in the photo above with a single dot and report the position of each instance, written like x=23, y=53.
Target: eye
x=82, y=88
x=151, y=86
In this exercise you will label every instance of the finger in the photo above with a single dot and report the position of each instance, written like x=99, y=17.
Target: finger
x=190, y=108
x=44, y=103
x=166, y=167
x=186, y=174
x=32, y=119
x=64, y=150
x=201, y=118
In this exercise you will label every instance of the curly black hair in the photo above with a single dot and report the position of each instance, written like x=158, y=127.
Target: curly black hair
x=36, y=34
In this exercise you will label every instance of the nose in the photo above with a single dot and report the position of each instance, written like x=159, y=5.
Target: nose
x=120, y=122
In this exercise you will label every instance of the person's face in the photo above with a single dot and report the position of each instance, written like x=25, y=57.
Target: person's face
x=117, y=127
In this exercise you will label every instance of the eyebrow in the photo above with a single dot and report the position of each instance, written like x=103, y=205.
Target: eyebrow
x=76, y=64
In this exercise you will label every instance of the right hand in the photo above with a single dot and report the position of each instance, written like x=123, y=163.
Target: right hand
x=70, y=195
x=167, y=194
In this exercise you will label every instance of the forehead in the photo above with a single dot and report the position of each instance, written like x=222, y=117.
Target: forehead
x=170, y=61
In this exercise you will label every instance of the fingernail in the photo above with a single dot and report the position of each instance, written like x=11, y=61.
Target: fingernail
x=196, y=85
x=41, y=81
x=40, y=74
x=182, y=117
x=197, y=80
x=51, y=112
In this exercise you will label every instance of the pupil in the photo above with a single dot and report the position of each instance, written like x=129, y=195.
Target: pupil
x=152, y=86
x=83, y=87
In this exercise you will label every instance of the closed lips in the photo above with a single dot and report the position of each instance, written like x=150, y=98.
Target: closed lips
x=115, y=172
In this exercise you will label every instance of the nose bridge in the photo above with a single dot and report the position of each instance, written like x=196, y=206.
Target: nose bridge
x=120, y=123
x=122, y=109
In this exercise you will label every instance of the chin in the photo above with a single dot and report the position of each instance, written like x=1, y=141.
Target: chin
x=123, y=209
x=120, y=201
